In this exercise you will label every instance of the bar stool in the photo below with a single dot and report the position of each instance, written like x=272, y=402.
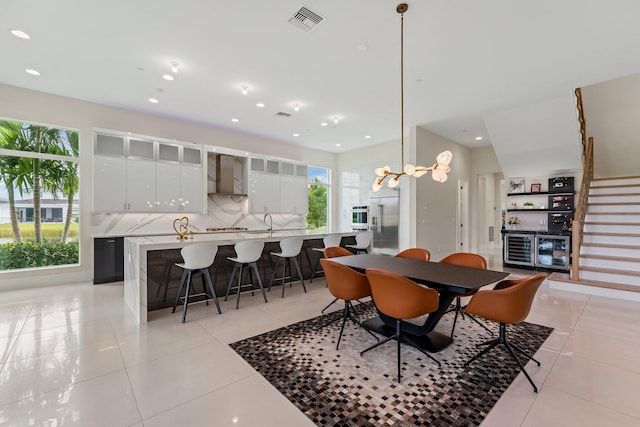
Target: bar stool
x=197, y=260
x=328, y=241
x=363, y=240
x=290, y=249
x=247, y=253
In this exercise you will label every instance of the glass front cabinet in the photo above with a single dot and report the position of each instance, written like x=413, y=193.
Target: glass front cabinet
x=553, y=251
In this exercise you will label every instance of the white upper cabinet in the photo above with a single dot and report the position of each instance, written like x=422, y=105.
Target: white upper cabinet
x=137, y=175
x=277, y=187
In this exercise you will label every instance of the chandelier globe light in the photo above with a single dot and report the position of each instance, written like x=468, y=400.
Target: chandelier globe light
x=440, y=168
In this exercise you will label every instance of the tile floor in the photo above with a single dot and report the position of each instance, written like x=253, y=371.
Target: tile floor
x=73, y=355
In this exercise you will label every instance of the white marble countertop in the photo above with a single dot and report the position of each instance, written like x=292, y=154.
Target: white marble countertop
x=166, y=241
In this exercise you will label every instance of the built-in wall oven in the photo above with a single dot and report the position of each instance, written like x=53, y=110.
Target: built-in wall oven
x=360, y=218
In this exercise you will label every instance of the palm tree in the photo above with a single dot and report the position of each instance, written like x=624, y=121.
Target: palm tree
x=70, y=179
x=14, y=170
x=41, y=140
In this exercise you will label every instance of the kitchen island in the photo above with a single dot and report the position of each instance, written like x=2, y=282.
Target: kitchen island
x=151, y=280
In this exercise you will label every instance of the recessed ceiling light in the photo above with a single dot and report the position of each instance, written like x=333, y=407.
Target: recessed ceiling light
x=160, y=90
x=323, y=124
x=260, y=105
x=338, y=145
x=296, y=107
x=234, y=120
x=367, y=137
x=296, y=134
x=32, y=72
x=335, y=120
x=168, y=77
x=478, y=138
x=245, y=89
x=174, y=67
x=363, y=46
x=21, y=34
x=153, y=100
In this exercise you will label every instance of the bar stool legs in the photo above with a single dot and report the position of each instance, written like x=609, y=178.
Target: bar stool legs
x=187, y=277
x=240, y=266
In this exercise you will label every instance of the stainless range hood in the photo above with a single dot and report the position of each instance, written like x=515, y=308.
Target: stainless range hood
x=227, y=175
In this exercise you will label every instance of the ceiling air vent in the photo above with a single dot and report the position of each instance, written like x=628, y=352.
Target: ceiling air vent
x=282, y=114
x=306, y=19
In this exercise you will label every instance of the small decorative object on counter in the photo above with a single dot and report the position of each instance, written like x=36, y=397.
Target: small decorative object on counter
x=514, y=205
x=513, y=221
x=181, y=227
x=528, y=205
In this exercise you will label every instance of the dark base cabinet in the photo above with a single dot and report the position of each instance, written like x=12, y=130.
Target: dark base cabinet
x=537, y=250
x=163, y=277
x=108, y=260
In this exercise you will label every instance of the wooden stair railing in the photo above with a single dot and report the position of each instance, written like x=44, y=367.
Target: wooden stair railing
x=581, y=211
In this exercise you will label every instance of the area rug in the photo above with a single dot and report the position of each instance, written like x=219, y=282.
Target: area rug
x=342, y=388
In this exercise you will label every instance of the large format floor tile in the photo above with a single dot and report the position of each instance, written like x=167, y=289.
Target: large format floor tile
x=74, y=355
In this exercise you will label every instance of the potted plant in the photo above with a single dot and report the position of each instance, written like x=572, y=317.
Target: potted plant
x=528, y=205
x=513, y=221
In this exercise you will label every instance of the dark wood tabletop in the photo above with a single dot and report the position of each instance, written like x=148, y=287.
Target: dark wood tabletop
x=450, y=280
x=454, y=278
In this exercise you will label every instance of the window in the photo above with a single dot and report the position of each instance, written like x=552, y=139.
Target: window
x=39, y=182
x=317, y=216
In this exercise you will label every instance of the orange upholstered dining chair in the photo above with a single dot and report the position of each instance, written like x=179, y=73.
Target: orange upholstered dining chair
x=508, y=303
x=415, y=253
x=465, y=259
x=333, y=252
x=346, y=284
x=400, y=298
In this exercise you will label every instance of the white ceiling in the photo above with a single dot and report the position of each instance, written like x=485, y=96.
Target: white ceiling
x=464, y=60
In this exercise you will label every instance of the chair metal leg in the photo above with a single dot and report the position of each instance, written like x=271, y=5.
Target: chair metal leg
x=414, y=345
x=255, y=269
x=521, y=351
x=378, y=344
x=315, y=268
x=182, y=280
x=524, y=371
x=273, y=273
x=398, y=339
x=329, y=305
x=295, y=261
x=233, y=276
x=211, y=288
x=186, y=297
x=479, y=323
x=489, y=347
x=345, y=315
x=239, y=286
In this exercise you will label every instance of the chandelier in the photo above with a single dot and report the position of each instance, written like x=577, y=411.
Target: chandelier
x=440, y=168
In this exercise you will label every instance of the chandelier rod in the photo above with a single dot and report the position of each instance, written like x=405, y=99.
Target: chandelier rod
x=401, y=9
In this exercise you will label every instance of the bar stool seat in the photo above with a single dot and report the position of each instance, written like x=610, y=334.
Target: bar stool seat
x=363, y=240
x=290, y=249
x=328, y=241
x=247, y=254
x=197, y=260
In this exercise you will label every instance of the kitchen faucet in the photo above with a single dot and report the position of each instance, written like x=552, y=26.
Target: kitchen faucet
x=270, y=222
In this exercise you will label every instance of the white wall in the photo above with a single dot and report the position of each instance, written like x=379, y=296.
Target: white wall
x=484, y=164
x=36, y=107
x=436, y=203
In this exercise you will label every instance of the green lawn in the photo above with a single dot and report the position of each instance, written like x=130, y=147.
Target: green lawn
x=49, y=231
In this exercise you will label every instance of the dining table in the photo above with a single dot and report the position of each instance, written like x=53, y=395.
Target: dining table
x=448, y=279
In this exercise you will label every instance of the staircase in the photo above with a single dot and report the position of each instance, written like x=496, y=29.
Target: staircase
x=610, y=250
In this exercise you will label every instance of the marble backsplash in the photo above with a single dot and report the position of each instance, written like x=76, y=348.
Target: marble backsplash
x=222, y=212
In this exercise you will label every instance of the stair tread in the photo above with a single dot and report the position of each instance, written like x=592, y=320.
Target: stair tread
x=612, y=178
x=560, y=277
x=610, y=245
x=598, y=187
x=610, y=271
x=615, y=204
x=610, y=258
x=614, y=194
x=602, y=233
x=636, y=224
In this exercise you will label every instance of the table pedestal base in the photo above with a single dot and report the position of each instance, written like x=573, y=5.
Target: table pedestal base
x=432, y=342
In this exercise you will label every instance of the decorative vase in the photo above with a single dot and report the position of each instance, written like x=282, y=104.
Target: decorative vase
x=514, y=226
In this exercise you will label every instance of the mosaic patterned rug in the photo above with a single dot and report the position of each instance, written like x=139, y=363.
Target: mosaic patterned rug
x=342, y=388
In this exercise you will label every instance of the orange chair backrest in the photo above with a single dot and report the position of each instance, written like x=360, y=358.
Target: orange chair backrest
x=466, y=259
x=415, y=253
x=336, y=251
x=344, y=282
x=399, y=297
x=509, y=303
